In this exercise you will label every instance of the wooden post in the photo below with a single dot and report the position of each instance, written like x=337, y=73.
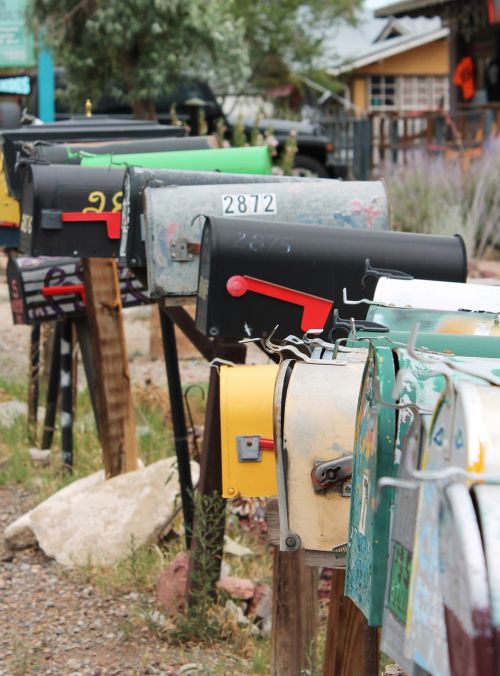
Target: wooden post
x=351, y=645
x=107, y=338
x=210, y=482
x=295, y=606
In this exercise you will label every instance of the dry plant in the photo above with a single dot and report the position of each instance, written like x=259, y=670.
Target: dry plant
x=446, y=197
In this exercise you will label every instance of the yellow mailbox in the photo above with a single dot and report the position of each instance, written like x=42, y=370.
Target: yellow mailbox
x=246, y=413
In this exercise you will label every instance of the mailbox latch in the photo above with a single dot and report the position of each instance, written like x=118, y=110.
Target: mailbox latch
x=182, y=250
x=250, y=447
x=331, y=474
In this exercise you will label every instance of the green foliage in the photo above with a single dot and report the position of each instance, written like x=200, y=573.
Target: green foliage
x=287, y=34
x=239, y=139
x=289, y=152
x=138, y=49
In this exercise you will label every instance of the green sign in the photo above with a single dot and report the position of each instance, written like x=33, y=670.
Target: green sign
x=16, y=42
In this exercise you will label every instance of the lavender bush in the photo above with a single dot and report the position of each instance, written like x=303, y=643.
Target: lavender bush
x=443, y=196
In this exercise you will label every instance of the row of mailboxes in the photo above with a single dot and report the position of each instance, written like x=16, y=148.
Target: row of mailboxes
x=45, y=289
x=14, y=141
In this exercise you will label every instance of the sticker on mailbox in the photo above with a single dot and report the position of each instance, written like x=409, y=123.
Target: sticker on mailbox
x=249, y=204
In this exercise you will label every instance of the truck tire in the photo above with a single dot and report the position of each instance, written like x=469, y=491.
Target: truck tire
x=309, y=167
x=10, y=115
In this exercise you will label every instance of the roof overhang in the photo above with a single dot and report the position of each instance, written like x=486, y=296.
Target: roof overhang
x=389, y=51
x=412, y=8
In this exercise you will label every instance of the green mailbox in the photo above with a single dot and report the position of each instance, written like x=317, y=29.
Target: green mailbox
x=256, y=160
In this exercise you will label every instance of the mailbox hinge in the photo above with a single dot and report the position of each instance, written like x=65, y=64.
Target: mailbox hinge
x=331, y=474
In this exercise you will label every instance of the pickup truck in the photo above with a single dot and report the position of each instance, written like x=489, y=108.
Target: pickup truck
x=314, y=148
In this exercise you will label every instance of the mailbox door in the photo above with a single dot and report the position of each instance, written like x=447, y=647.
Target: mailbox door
x=318, y=425
x=45, y=289
x=9, y=208
x=173, y=231
x=132, y=247
x=373, y=458
x=246, y=410
x=423, y=293
x=465, y=587
x=487, y=499
x=416, y=386
x=255, y=275
x=254, y=160
x=72, y=153
x=70, y=211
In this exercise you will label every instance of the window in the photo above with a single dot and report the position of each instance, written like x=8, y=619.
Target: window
x=408, y=93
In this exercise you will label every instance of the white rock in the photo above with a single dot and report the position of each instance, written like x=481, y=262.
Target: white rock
x=40, y=456
x=234, y=548
x=96, y=523
x=19, y=534
x=10, y=411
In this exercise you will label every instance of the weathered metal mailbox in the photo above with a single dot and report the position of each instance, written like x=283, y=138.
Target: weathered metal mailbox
x=70, y=211
x=256, y=275
x=247, y=446
x=173, y=231
x=12, y=141
x=72, y=153
x=45, y=289
x=132, y=246
x=256, y=160
x=314, y=409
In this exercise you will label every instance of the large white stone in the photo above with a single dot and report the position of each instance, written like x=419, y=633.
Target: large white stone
x=97, y=523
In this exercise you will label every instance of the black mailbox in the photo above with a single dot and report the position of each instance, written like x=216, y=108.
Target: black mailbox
x=132, y=248
x=9, y=236
x=70, y=211
x=256, y=275
x=72, y=153
x=45, y=289
x=12, y=141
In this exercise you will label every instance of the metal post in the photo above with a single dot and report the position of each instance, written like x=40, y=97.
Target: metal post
x=178, y=421
x=52, y=389
x=67, y=394
x=34, y=383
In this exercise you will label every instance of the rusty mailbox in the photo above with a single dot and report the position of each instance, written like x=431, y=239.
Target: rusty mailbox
x=255, y=275
x=132, y=246
x=173, y=229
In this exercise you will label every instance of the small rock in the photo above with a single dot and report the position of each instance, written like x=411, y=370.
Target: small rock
x=41, y=457
x=262, y=601
x=234, y=548
x=142, y=431
x=172, y=584
x=191, y=668
x=237, y=587
x=10, y=411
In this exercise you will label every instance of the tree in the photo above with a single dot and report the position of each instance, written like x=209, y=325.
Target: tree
x=286, y=35
x=135, y=50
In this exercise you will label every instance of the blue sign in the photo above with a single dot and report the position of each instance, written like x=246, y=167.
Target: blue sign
x=16, y=85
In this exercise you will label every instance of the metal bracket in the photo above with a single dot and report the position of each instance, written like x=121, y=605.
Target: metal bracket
x=180, y=250
x=249, y=449
x=331, y=474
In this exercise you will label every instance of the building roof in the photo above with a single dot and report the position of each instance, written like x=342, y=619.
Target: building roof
x=412, y=8
x=395, y=38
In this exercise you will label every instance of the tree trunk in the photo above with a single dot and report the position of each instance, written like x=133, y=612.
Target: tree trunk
x=144, y=110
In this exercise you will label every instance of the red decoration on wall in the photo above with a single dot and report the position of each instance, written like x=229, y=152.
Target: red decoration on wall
x=463, y=77
x=494, y=11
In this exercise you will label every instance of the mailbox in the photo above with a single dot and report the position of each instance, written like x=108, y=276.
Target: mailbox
x=256, y=160
x=70, y=211
x=12, y=141
x=45, y=289
x=9, y=213
x=459, y=436
x=256, y=275
x=132, y=247
x=315, y=417
x=72, y=153
x=247, y=446
x=173, y=231
x=423, y=293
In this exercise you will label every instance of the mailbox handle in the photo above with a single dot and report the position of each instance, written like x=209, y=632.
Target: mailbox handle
x=111, y=218
x=316, y=309
x=371, y=271
x=361, y=324
x=48, y=291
